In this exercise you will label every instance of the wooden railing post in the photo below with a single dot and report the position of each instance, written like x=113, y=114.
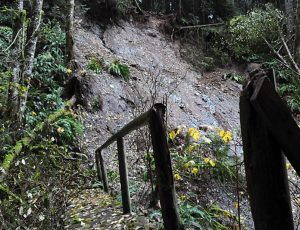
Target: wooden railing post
x=123, y=176
x=164, y=172
x=265, y=170
x=98, y=167
x=103, y=171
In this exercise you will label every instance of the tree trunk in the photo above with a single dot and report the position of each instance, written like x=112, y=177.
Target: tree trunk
x=69, y=35
x=297, y=39
x=32, y=37
x=289, y=12
x=12, y=104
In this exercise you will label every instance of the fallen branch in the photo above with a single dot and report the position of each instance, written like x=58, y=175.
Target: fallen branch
x=292, y=60
x=199, y=26
x=281, y=58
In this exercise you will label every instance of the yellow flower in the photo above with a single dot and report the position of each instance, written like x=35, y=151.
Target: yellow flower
x=177, y=176
x=69, y=71
x=194, y=171
x=60, y=129
x=209, y=161
x=183, y=197
x=206, y=160
x=174, y=133
x=225, y=135
x=33, y=113
x=194, y=133
x=212, y=163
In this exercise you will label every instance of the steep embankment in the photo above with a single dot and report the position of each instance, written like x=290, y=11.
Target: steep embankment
x=157, y=71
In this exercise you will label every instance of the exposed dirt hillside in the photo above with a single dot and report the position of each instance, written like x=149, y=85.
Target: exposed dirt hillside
x=157, y=71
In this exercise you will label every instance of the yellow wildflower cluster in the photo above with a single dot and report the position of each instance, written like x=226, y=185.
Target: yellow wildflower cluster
x=33, y=113
x=225, y=135
x=194, y=133
x=209, y=161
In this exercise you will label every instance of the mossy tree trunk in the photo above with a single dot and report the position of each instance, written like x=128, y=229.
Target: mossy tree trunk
x=12, y=103
x=70, y=35
x=29, y=53
x=24, y=46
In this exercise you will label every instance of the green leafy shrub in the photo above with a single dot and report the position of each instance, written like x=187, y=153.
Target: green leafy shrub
x=247, y=32
x=67, y=129
x=118, y=69
x=95, y=65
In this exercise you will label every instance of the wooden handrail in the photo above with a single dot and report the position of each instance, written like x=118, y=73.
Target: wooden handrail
x=138, y=122
x=155, y=119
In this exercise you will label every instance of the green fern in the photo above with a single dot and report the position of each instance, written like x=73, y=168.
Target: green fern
x=118, y=69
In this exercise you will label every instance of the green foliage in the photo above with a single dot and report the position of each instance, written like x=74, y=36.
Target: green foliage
x=49, y=74
x=95, y=65
x=4, y=82
x=66, y=129
x=5, y=37
x=118, y=69
x=52, y=35
x=195, y=216
x=247, y=32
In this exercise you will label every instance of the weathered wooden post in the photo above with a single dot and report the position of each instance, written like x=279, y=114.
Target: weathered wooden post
x=103, y=171
x=278, y=119
x=123, y=176
x=98, y=167
x=163, y=168
x=265, y=170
